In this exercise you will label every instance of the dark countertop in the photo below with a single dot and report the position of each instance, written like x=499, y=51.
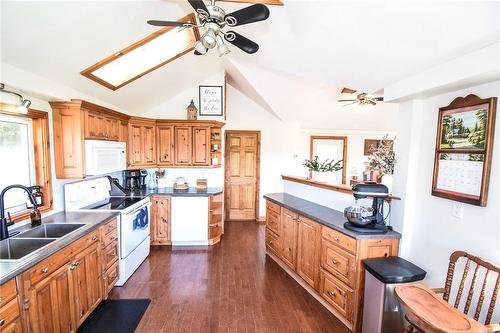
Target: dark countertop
x=192, y=192
x=10, y=269
x=326, y=216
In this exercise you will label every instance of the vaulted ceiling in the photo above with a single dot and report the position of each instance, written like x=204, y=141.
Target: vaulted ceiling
x=362, y=44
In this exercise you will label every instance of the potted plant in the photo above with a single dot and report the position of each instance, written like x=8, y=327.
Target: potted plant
x=383, y=160
x=321, y=171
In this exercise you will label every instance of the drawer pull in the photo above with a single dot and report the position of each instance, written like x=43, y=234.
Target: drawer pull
x=335, y=238
x=335, y=262
x=76, y=263
x=270, y=242
x=72, y=267
x=94, y=238
x=45, y=270
x=2, y=322
x=331, y=293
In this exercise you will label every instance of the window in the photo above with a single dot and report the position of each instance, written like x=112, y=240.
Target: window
x=144, y=56
x=16, y=146
x=24, y=147
x=328, y=148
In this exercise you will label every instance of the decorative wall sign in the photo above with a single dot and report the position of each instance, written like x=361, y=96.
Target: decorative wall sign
x=211, y=103
x=464, y=145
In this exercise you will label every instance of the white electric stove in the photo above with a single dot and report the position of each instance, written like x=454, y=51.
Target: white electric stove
x=133, y=222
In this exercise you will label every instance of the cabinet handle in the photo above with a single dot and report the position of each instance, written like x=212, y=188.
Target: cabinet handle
x=334, y=262
x=335, y=238
x=94, y=238
x=331, y=293
x=2, y=322
x=72, y=267
x=270, y=242
x=76, y=263
x=45, y=270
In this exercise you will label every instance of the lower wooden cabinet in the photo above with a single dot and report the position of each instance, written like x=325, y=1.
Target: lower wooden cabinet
x=10, y=320
x=308, y=251
x=215, y=219
x=14, y=327
x=160, y=221
x=324, y=258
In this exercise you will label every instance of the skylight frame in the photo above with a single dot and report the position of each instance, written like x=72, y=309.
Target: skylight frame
x=191, y=18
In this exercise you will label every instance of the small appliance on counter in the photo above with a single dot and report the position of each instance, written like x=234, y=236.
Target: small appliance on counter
x=180, y=184
x=135, y=179
x=367, y=219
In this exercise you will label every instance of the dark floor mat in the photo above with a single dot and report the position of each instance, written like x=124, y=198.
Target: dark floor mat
x=120, y=316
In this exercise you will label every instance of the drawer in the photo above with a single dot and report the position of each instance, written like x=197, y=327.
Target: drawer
x=48, y=266
x=85, y=241
x=379, y=248
x=9, y=312
x=110, y=278
x=14, y=327
x=110, y=254
x=8, y=291
x=272, y=242
x=345, y=242
x=273, y=207
x=340, y=263
x=273, y=221
x=108, y=227
x=337, y=294
x=109, y=237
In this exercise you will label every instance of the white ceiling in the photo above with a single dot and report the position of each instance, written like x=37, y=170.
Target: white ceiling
x=361, y=44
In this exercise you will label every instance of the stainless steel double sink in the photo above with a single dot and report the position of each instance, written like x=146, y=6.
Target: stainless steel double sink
x=33, y=240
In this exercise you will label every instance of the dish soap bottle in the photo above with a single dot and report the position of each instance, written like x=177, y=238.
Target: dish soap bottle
x=36, y=217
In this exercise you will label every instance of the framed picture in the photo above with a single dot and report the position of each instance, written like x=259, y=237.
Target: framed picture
x=211, y=103
x=464, y=145
x=372, y=144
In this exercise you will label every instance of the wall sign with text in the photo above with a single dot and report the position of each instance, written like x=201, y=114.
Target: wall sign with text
x=211, y=101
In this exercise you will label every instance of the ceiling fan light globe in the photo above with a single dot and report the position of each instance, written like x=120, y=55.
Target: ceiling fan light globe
x=200, y=47
x=209, y=39
x=223, y=50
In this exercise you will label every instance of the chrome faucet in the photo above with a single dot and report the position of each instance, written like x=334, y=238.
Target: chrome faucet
x=4, y=232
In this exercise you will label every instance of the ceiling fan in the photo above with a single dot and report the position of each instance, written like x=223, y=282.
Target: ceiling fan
x=213, y=19
x=362, y=99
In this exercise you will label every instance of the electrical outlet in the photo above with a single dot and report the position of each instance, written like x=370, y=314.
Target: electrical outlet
x=458, y=210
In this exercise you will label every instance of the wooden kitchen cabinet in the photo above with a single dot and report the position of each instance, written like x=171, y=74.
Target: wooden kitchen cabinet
x=215, y=219
x=76, y=121
x=165, y=146
x=201, y=145
x=141, y=143
x=288, y=237
x=308, y=251
x=160, y=216
x=10, y=320
x=183, y=145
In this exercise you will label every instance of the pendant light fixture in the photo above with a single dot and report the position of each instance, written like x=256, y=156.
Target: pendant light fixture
x=22, y=104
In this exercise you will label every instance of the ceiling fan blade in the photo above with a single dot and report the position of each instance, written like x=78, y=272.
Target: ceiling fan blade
x=241, y=42
x=197, y=53
x=170, y=24
x=346, y=90
x=251, y=14
x=378, y=99
x=347, y=100
x=198, y=6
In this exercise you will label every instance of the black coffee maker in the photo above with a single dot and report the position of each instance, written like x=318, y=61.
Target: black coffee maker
x=135, y=179
x=367, y=220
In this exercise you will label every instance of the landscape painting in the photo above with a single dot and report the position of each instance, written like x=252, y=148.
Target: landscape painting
x=464, y=128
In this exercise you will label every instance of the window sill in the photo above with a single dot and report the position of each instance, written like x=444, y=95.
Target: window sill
x=26, y=214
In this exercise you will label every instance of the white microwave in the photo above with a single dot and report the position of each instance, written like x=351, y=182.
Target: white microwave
x=102, y=157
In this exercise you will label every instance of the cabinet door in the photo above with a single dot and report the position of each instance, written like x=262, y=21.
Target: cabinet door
x=114, y=130
x=183, y=147
x=135, y=147
x=93, y=125
x=308, y=250
x=148, y=144
x=201, y=145
x=86, y=282
x=161, y=220
x=215, y=221
x=51, y=303
x=165, y=145
x=68, y=135
x=289, y=238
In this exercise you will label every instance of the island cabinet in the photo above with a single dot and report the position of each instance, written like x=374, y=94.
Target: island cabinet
x=76, y=121
x=10, y=320
x=327, y=262
x=141, y=143
x=60, y=292
x=160, y=221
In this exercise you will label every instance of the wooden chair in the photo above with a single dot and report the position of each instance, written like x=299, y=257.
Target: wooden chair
x=478, y=265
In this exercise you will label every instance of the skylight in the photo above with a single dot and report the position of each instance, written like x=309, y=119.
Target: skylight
x=144, y=56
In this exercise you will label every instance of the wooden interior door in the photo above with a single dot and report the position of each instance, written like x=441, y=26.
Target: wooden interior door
x=242, y=162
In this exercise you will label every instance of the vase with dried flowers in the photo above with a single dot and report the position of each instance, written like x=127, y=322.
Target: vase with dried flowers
x=383, y=160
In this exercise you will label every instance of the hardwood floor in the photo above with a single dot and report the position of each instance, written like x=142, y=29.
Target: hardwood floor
x=231, y=287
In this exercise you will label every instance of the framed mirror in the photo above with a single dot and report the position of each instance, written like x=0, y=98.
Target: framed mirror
x=328, y=148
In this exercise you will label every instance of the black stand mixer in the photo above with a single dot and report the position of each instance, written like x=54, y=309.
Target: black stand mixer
x=367, y=220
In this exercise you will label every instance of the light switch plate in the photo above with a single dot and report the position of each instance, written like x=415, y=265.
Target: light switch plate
x=458, y=210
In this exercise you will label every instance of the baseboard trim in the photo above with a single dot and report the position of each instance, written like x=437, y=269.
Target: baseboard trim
x=261, y=219
x=309, y=289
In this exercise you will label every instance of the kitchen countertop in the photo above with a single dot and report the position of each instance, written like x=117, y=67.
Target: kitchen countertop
x=191, y=192
x=326, y=216
x=10, y=269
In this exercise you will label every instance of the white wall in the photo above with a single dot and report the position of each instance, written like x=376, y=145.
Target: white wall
x=430, y=232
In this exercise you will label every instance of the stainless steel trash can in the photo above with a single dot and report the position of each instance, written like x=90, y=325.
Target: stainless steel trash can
x=381, y=309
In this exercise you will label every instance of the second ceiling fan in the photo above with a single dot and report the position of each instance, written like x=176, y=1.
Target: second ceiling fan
x=213, y=19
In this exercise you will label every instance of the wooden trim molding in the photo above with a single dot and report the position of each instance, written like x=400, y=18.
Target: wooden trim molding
x=41, y=143
x=344, y=153
x=264, y=2
x=332, y=187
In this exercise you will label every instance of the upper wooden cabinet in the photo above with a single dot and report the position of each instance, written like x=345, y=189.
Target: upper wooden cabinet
x=141, y=143
x=76, y=121
x=201, y=145
x=165, y=146
x=183, y=145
